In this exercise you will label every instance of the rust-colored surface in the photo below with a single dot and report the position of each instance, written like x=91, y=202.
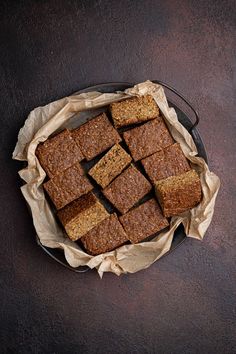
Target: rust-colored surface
x=184, y=303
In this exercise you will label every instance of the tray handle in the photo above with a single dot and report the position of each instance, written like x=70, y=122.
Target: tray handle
x=85, y=269
x=184, y=99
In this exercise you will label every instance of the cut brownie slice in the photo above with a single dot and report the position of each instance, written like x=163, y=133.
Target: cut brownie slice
x=110, y=165
x=127, y=189
x=148, y=138
x=68, y=186
x=58, y=153
x=166, y=163
x=179, y=193
x=96, y=136
x=105, y=237
x=82, y=215
x=134, y=110
x=143, y=221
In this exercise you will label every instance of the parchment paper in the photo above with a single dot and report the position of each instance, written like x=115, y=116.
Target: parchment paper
x=43, y=121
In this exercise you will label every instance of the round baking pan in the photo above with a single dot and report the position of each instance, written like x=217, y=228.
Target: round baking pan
x=187, y=116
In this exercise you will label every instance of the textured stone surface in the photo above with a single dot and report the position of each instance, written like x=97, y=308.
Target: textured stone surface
x=185, y=303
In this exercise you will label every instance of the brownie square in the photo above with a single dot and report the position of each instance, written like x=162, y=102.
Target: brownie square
x=67, y=186
x=110, y=165
x=165, y=163
x=58, y=153
x=96, y=136
x=143, y=221
x=148, y=138
x=177, y=194
x=134, y=110
x=82, y=215
x=127, y=189
x=105, y=237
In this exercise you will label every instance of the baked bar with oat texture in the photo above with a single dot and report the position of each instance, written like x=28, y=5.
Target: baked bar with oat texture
x=143, y=221
x=127, y=189
x=166, y=163
x=148, y=138
x=177, y=194
x=82, y=215
x=67, y=186
x=58, y=153
x=96, y=136
x=105, y=237
x=110, y=165
x=134, y=110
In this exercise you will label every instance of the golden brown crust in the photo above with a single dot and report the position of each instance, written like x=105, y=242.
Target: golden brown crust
x=148, y=138
x=68, y=186
x=96, y=136
x=76, y=207
x=179, y=193
x=143, y=221
x=166, y=163
x=110, y=165
x=127, y=189
x=82, y=215
x=58, y=153
x=134, y=110
x=105, y=237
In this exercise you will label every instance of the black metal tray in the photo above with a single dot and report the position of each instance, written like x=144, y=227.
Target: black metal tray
x=188, y=118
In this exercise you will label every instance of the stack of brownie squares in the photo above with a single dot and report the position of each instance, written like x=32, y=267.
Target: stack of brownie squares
x=140, y=170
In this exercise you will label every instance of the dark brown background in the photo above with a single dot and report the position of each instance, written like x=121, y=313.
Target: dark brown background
x=184, y=303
